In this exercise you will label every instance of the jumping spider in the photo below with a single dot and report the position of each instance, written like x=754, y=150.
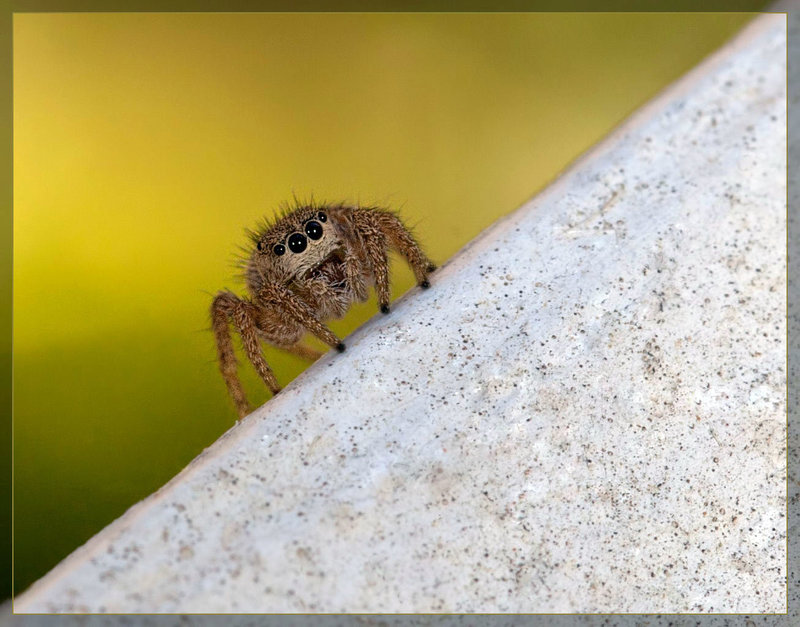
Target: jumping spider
x=308, y=267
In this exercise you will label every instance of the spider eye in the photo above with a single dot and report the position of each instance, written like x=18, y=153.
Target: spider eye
x=322, y=216
x=314, y=229
x=297, y=242
x=278, y=249
x=261, y=246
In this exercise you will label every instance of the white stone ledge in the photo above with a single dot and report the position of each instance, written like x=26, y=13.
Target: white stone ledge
x=585, y=413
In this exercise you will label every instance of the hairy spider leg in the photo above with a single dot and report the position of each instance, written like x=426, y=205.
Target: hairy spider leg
x=301, y=350
x=282, y=298
x=380, y=230
x=401, y=240
x=227, y=307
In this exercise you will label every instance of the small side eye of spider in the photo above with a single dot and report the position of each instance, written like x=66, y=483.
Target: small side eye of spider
x=330, y=268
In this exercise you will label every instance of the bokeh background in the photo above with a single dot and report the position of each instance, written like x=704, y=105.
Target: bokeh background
x=144, y=145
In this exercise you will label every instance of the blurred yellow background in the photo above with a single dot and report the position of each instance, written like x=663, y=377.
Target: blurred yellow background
x=144, y=144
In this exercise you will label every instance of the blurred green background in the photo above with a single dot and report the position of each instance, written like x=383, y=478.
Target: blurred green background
x=144, y=144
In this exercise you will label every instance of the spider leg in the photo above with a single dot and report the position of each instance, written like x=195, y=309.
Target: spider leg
x=354, y=262
x=352, y=270
x=284, y=300
x=221, y=309
x=379, y=230
x=301, y=350
x=226, y=308
x=377, y=251
x=400, y=238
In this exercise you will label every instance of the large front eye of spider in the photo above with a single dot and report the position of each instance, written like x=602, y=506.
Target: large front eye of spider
x=297, y=242
x=313, y=229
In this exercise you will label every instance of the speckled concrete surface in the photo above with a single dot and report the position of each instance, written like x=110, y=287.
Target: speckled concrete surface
x=794, y=308
x=586, y=413
x=435, y=620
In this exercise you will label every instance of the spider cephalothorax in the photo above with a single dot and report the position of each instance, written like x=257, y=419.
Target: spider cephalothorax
x=307, y=267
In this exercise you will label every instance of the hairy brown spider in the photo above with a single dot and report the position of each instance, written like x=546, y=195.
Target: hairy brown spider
x=308, y=267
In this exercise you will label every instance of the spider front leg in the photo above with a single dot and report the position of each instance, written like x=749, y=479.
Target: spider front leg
x=226, y=308
x=380, y=230
x=353, y=273
x=287, y=302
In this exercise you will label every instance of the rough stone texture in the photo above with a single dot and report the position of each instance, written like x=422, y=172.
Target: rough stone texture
x=794, y=309
x=406, y=620
x=585, y=413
